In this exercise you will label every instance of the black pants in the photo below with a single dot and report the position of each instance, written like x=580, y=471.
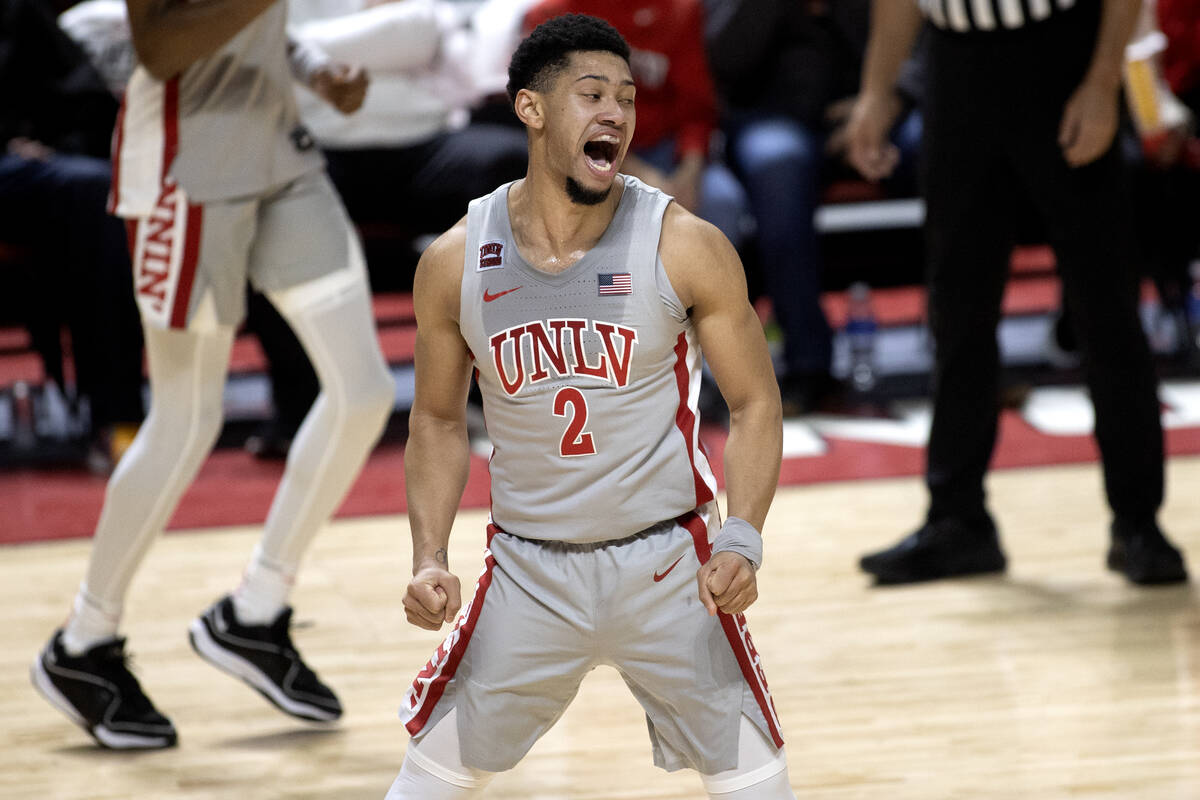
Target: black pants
x=994, y=106
x=427, y=185
x=83, y=275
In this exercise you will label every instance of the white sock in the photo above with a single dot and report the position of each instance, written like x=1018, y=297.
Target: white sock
x=90, y=623
x=263, y=593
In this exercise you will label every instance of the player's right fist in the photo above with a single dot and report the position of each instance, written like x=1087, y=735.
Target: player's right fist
x=433, y=597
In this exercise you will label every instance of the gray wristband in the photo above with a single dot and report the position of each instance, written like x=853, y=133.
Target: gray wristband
x=739, y=536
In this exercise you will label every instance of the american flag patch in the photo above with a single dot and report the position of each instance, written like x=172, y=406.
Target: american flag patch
x=615, y=283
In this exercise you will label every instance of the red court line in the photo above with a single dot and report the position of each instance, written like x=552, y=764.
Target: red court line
x=235, y=489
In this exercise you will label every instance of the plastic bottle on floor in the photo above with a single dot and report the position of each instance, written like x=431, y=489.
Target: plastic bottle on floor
x=861, y=330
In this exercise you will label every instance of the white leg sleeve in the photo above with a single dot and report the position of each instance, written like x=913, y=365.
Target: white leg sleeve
x=187, y=380
x=761, y=773
x=333, y=319
x=432, y=768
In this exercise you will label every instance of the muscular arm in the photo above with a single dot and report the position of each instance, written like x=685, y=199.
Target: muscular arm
x=436, y=458
x=171, y=35
x=706, y=273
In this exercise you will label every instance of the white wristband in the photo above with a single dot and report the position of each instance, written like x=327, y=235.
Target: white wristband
x=739, y=536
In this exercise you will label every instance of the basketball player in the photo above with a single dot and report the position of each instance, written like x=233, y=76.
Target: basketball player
x=582, y=299
x=220, y=185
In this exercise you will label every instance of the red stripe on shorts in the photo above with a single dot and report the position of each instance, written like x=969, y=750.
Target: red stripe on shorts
x=431, y=681
x=686, y=420
x=737, y=633
x=193, y=224
x=131, y=231
x=170, y=125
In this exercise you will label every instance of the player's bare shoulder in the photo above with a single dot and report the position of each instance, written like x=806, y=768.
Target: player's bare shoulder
x=438, y=278
x=697, y=256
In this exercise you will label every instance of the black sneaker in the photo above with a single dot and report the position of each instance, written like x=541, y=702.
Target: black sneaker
x=1142, y=554
x=264, y=657
x=946, y=548
x=98, y=693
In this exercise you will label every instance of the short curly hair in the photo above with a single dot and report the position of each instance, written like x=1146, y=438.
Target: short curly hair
x=546, y=51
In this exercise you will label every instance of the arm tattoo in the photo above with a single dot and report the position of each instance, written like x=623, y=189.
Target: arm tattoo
x=440, y=557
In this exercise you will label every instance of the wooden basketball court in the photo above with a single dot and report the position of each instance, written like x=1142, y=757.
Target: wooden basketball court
x=1056, y=681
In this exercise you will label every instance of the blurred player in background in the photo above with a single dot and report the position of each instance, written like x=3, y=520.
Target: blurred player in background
x=220, y=185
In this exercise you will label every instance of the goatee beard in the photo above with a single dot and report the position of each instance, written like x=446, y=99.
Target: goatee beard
x=586, y=197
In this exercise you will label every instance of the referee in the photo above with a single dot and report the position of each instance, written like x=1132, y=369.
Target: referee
x=1021, y=108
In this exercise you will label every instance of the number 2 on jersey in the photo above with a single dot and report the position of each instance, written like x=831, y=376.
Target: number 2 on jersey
x=575, y=441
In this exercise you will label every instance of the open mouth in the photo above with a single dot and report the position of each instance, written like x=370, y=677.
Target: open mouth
x=601, y=153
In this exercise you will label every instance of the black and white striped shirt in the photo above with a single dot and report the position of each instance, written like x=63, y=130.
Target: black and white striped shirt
x=988, y=15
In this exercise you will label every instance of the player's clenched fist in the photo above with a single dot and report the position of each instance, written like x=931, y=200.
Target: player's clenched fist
x=342, y=86
x=727, y=583
x=433, y=597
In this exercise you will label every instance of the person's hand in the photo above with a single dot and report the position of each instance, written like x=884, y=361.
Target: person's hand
x=1089, y=123
x=684, y=182
x=433, y=597
x=29, y=149
x=727, y=583
x=342, y=86
x=866, y=138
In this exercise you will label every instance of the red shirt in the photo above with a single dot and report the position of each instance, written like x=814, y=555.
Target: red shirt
x=1179, y=20
x=674, y=89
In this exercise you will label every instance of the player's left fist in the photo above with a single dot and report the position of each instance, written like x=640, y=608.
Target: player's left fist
x=342, y=86
x=727, y=583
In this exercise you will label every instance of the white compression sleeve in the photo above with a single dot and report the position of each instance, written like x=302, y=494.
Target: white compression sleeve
x=761, y=773
x=432, y=768
x=187, y=380
x=333, y=319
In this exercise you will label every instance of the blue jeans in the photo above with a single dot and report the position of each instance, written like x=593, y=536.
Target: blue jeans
x=779, y=161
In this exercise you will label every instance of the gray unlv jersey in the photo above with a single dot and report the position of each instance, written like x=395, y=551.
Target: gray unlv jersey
x=590, y=378
x=224, y=128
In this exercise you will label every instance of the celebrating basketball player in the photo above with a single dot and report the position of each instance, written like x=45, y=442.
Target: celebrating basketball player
x=220, y=185
x=582, y=300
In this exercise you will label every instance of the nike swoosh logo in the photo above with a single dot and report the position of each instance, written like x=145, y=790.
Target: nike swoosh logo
x=658, y=576
x=489, y=297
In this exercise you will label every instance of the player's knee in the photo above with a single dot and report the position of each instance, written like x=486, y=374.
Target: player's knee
x=185, y=426
x=363, y=401
x=427, y=780
x=375, y=395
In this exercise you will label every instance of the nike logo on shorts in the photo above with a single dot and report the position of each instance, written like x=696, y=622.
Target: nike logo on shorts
x=658, y=576
x=489, y=297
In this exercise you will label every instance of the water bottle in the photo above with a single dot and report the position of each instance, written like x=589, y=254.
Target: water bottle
x=1192, y=304
x=24, y=435
x=861, y=328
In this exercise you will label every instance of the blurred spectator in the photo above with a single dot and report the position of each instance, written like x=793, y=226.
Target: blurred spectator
x=56, y=121
x=676, y=107
x=409, y=156
x=1179, y=20
x=786, y=73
